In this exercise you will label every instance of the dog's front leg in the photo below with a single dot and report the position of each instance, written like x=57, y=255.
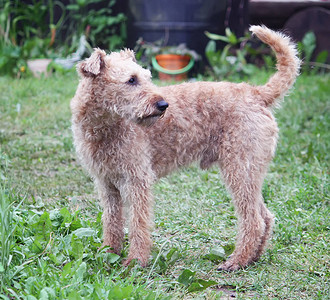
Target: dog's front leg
x=113, y=224
x=139, y=196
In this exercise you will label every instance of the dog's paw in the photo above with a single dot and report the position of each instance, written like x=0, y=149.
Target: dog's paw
x=230, y=265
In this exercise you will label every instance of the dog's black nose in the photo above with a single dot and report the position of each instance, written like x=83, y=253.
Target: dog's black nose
x=161, y=105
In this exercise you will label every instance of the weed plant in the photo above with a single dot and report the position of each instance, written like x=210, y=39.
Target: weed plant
x=6, y=239
x=51, y=221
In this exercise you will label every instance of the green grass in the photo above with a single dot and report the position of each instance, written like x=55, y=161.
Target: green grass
x=51, y=229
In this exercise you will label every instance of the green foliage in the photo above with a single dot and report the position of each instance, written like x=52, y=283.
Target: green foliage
x=51, y=241
x=164, y=260
x=7, y=230
x=306, y=48
x=219, y=253
x=187, y=278
x=231, y=60
x=52, y=255
x=96, y=19
x=29, y=30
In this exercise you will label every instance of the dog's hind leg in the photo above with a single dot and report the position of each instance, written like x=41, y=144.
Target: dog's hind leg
x=244, y=168
x=113, y=224
x=251, y=225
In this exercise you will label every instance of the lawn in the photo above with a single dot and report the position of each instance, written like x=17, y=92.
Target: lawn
x=50, y=218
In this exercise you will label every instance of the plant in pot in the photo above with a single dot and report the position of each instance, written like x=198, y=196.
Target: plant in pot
x=38, y=46
x=171, y=62
x=27, y=32
x=39, y=55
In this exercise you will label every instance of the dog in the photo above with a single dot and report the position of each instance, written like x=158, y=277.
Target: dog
x=128, y=133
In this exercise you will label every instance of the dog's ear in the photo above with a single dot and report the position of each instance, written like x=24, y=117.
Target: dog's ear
x=93, y=65
x=128, y=54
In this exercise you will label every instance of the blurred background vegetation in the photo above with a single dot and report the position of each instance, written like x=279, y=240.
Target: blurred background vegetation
x=215, y=30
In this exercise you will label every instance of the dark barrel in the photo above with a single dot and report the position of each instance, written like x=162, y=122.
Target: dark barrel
x=175, y=21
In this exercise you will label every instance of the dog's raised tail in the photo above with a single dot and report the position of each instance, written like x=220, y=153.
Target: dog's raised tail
x=288, y=64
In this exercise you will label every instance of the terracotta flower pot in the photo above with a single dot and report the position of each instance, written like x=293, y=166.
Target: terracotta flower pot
x=173, y=66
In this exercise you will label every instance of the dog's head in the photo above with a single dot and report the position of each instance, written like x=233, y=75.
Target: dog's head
x=122, y=86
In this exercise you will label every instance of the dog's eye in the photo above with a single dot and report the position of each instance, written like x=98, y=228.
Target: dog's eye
x=132, y=81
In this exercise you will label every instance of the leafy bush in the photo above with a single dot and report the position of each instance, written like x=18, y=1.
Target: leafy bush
x=31, y=30
x=235, y=57
x=231, y=60
x=96, y=19
x=306, y=48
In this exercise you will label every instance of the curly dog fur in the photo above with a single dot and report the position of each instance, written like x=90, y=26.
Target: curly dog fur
x=129, y=132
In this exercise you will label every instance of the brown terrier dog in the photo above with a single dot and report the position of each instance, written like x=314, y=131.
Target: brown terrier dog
x=129, y=132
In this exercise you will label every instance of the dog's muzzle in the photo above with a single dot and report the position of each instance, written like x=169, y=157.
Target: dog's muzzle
x=149, y=120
